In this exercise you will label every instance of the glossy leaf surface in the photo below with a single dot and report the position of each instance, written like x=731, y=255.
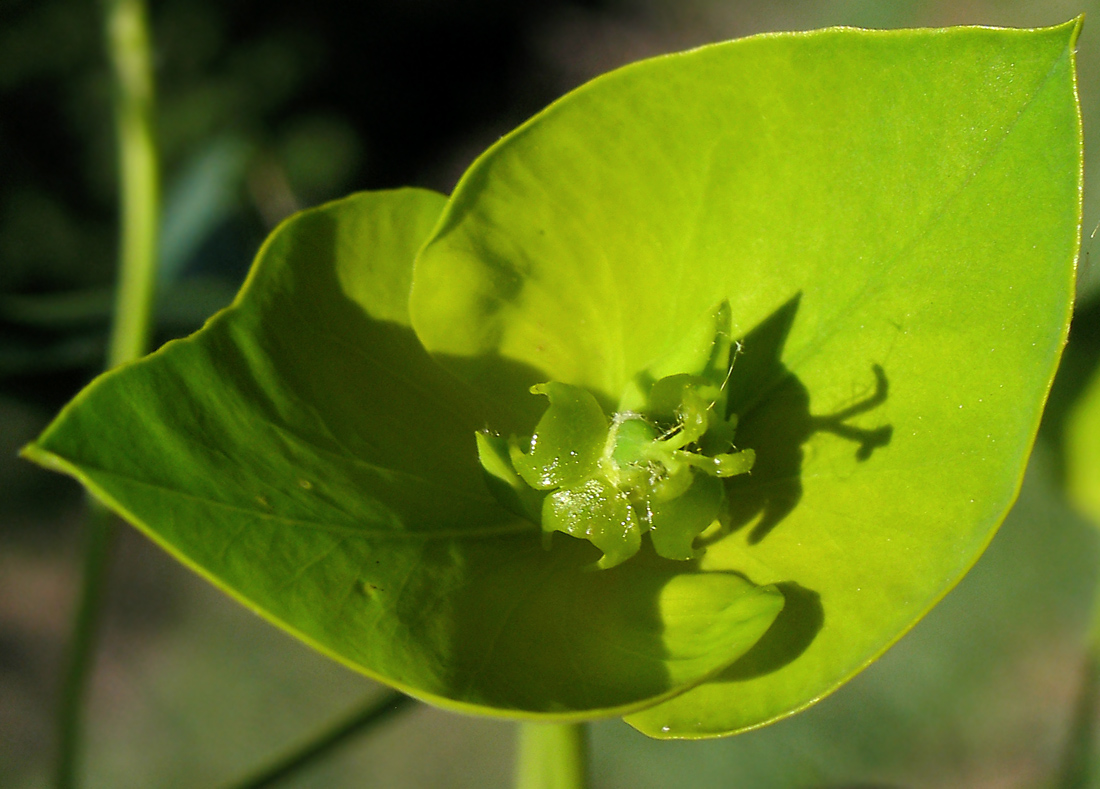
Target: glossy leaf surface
x=305, y=454
x=893, y=218
x=889, y=220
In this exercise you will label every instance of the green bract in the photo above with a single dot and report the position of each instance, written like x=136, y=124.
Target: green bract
x=881, y=225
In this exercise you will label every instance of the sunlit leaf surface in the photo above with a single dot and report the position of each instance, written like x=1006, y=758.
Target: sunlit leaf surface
x=890, y=219
x=893, y=218
x=305, y=454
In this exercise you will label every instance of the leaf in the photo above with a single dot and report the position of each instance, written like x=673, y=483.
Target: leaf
x=1083, y=450
x=887, y=219
x=305, y=454
x=893, y=218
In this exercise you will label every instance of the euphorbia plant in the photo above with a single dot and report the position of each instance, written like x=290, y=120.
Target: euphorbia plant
x=704, y=385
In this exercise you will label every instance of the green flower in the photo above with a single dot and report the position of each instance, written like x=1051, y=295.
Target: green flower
x=654, y=467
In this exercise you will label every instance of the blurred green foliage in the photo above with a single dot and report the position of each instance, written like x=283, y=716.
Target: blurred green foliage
x=264, y=108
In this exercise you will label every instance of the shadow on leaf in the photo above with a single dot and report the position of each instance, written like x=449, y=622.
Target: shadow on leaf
x=790, y=635
x=775, y=421
x=442, y=591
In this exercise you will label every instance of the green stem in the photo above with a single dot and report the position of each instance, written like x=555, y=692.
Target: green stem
x=552, y=756
x=139, y=206
x=99, y=536
x=128, y=43
x=1079, y=760
x=356, y=723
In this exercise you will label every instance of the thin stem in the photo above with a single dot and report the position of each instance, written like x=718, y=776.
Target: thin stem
x=1079, y=761
x=128, y=47
x=99, y=536
x=128, y=43
x=552, y=756
x=333, y=736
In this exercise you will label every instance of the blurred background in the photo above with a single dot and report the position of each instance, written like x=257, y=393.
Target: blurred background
x=268, y=107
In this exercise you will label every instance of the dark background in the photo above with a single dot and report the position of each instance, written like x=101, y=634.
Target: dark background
x=269, y=107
